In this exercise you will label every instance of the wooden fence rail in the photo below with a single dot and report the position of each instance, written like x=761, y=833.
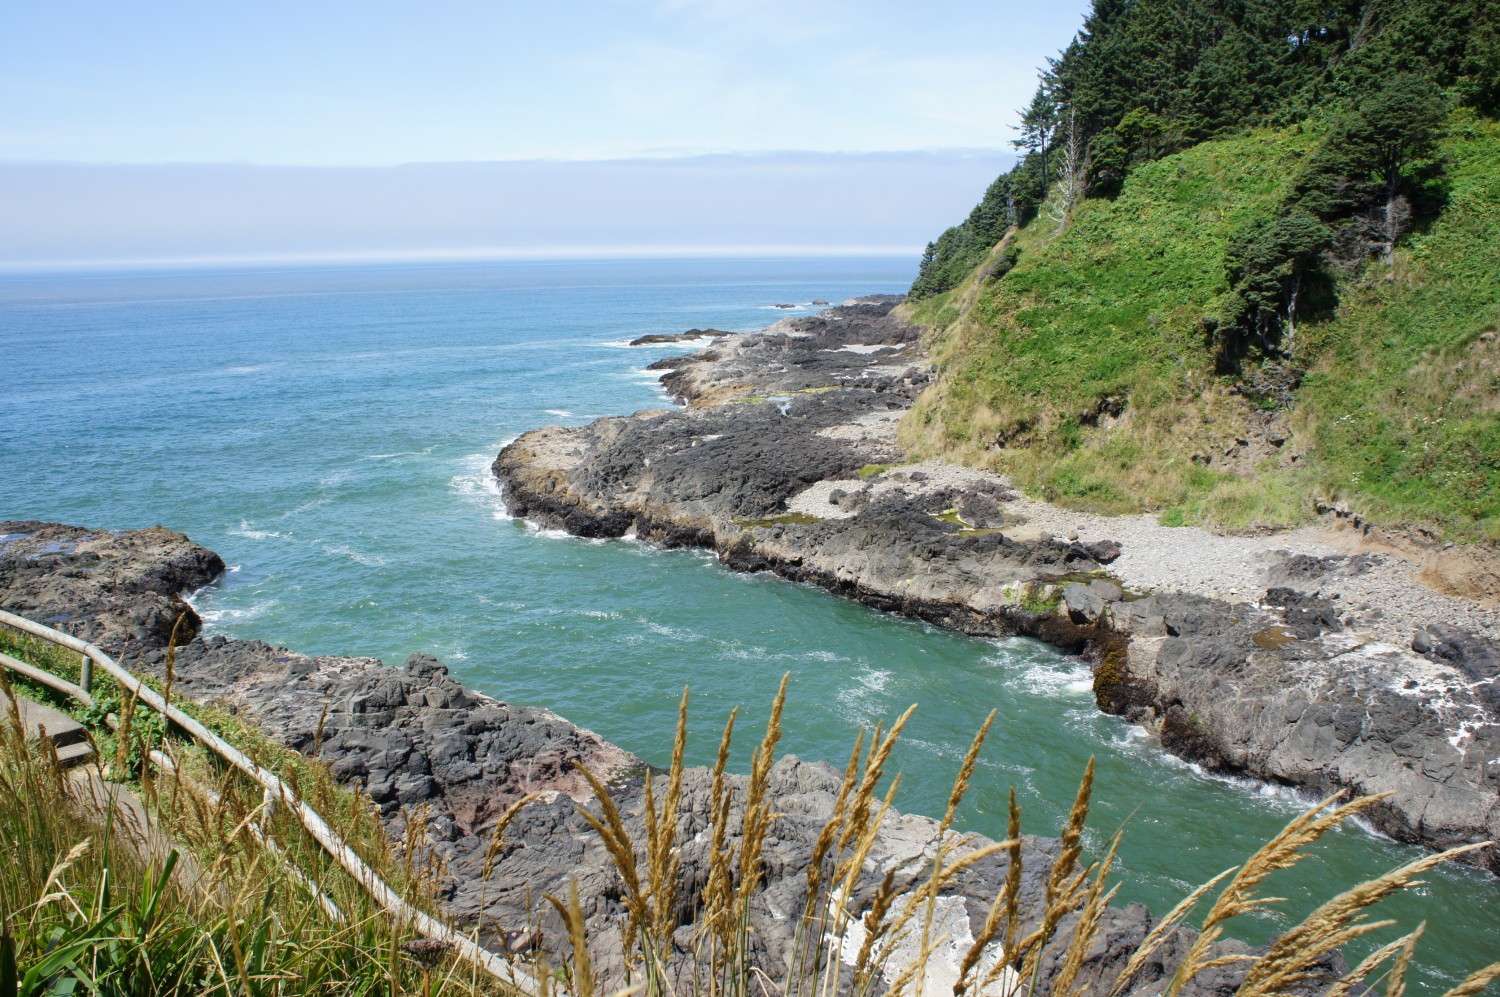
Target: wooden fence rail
x=463, y=946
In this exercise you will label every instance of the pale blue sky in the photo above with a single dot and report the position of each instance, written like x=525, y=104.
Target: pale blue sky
x=744, y=204
x=708, y=126
x=323, y=82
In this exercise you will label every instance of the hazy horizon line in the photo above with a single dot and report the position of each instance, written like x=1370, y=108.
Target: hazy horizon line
x=961, y=152
x=98, y=216
x=538, y=254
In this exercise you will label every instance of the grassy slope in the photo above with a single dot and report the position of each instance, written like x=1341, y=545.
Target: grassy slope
x=1112, y=306
x=1403, y=401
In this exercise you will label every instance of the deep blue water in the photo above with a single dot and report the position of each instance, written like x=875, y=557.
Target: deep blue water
x=329, y=432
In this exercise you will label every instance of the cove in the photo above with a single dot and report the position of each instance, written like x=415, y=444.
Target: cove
x=329, y=432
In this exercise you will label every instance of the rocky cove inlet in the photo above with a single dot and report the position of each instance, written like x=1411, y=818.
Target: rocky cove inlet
x=365, y=526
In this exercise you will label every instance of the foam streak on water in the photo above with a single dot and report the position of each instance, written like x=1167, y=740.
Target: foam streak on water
x=331, y=432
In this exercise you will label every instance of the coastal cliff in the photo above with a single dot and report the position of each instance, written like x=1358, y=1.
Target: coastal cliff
x=1296, y=658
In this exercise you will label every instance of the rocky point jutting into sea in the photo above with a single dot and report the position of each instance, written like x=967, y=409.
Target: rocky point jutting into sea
x=1311, y=659
x=415, y=737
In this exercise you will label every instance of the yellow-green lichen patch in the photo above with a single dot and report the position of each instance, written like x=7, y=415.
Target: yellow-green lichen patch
x=786, y=519
x=1272, y=638
x=952, y=517
x=1041, y=599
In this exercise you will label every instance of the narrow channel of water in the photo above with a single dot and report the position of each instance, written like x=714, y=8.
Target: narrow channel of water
x=329, y=432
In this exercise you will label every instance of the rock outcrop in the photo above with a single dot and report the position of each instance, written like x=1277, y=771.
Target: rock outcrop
x=782, y=460
x=659, y=338
x=121, y=590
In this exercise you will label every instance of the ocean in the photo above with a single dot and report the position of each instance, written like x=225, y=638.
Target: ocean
x=328, y=430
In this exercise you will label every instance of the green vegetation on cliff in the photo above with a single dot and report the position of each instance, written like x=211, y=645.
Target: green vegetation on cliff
x=1146, y=78
x=1233, y=328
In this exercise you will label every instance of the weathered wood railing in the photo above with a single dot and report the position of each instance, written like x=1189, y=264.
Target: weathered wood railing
x=464, y=947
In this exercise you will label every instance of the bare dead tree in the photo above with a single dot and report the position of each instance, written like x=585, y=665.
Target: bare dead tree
x=1072, y=172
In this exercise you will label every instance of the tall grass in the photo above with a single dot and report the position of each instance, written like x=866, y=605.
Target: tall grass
x=239, y=901
x=242, y=902
x=1025, y=947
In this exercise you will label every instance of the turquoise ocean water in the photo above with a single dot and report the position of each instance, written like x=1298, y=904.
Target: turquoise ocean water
x=329, y=432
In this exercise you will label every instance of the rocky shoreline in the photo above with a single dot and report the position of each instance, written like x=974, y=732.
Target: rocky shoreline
x=415, y=738
x=1301, y=659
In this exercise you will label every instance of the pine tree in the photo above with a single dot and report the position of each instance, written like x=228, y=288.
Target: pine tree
x=1145, y=78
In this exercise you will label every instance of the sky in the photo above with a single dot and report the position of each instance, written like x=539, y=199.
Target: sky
x=363, y=85
x=745, y=205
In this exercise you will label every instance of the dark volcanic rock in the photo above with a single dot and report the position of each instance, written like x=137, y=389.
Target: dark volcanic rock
x=655, y=338
x=120, y=590
x=779, y=464
x=410, y=736
x=1302, y=569
x=1306, y=615
x=416, y=738
x=805, y=354
x=1477, y=658
x=1103, y=551
x=1291, y=699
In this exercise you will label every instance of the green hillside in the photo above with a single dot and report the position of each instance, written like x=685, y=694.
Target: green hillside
x=1234, y=327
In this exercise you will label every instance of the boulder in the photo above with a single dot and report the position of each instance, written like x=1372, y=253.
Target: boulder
x=1084, y=605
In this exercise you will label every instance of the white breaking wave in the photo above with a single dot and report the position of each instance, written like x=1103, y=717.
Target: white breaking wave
x=212, y=616
x=861, y=701
x=1070, y=679
x=404, y=453
x=551, y=534
x=250, y=533
x=305, y=506
x=477, y=483
x=1286, y=799
x=672, y=633
x=357, y=556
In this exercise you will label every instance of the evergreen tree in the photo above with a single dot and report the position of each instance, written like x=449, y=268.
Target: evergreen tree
x=1269, y=263
x=1366, y=169
x=1038, y=124
x=1145, y=78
